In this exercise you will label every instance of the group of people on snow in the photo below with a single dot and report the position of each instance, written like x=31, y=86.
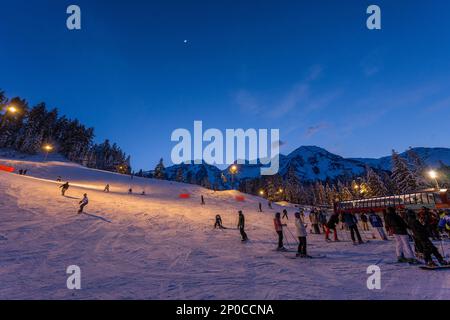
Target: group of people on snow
x=404, y=227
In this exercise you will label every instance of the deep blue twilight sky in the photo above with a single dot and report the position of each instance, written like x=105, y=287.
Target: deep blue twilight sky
x=310, y=68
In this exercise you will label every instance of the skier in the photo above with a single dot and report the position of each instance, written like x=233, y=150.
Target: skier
x=58, y=179
x=241, y=226
x=106, y=188
x=301, y=234
x=218, y=223
x=25, y=172
x=352, y=223
x=322, y=218
x=422, y=241
x=83, y=203
x=285, y=214
x=269, y=204
x=331, y=225
x=314, y=219
x=202, y=200
x=260, y=207
x=64, y=187
x=279, y=230
x=398, y=227
x=20, y=172
x=130, y=191
x=444, y=222
x=364, y=221
x=377, y=223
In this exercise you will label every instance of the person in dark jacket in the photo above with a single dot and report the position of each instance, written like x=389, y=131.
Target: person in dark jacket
x=285, y=214
x=218, y=223
x=377, y=223
x=364, y=221
x=241, y=226
x=260, y=207
x=331, y=226
x=422, y=240
x=398, y=227
x=279, y=230
x=64, y=187
x=352, y=223
x=202, y=200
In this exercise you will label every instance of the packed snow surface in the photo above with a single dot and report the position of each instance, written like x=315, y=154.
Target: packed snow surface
x=158, y=246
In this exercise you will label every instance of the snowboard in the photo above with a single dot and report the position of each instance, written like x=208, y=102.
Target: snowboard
x=434, y=268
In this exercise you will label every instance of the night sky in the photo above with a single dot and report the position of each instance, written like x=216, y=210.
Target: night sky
x=310, y=68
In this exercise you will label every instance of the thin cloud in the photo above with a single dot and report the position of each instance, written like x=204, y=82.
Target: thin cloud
x=313, y=130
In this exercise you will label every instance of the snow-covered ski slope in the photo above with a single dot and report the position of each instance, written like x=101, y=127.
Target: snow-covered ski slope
x=159, y=246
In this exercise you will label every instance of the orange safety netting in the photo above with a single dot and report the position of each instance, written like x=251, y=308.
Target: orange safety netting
x=6, y=168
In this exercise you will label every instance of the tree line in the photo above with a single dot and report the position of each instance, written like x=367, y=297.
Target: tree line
x=28, y=129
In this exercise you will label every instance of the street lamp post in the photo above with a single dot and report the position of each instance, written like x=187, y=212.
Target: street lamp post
x=48, y=148
x=433, y=175
x=9, y=110
x=233, y=171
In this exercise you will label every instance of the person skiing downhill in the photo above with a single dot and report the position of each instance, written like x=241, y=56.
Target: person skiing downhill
x=331, y=226
x=398, y=227
x=377, y=223
x=241, y=226
x=279, y=230
x=285, y=214
x=106, y=188
x=422, y=240
x=64, y=187
x=218, y=223
x=83, y=203
x=352, y=223
x=302, y=233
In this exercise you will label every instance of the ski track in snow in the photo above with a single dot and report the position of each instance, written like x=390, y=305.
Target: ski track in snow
x=158, y=246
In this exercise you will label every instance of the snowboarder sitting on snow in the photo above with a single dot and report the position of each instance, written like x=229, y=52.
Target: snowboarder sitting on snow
x=331, y=225
x=377, y=223
x=398, y=227
x=83, y=203
x=285, y=214
x=300, y=229
x=64, y=187
x=106, y=188
x=422, y=240
x=279, y=230
x=241, y=226
x=218, y=223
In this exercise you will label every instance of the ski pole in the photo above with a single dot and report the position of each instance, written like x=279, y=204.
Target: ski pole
x=442, y=248
x=286, y=239
x=296, y=240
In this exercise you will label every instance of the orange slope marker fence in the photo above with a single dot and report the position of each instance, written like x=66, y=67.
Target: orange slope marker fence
x=6, y=168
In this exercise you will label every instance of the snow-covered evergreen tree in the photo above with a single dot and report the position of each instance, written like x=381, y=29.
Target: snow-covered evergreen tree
x=160, y=171
x=403, y=178
x=376, y=187
x=418, y=168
